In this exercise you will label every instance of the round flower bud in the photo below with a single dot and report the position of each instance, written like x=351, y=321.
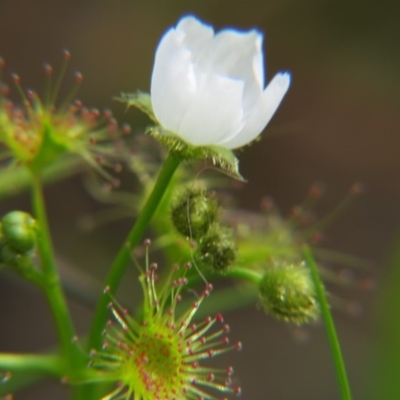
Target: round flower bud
x=192, y=212
x=217, y=249
x=19, y=231
x=287, y=293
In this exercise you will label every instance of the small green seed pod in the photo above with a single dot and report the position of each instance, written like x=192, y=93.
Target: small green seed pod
x=287, y=293
x=192, y=212
x=19, y=231
x=217, y=249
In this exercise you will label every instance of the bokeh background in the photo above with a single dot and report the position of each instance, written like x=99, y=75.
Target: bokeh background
x=339, y=124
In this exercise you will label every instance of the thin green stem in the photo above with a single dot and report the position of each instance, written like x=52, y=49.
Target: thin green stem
x=52, y=286
x=21, y=370
x=329, y=326
x=51, y=364
x=244, y=274
x=135, y=235
x=240, y=273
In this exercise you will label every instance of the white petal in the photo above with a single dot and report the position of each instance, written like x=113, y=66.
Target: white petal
x=173, y=81
x=197, y=35
x=209, y=88
x=215, y=113
x=258, y=61
x=238, y=55
x=262, y=112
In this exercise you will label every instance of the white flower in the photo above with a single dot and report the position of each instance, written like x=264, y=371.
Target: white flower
x=209, y=88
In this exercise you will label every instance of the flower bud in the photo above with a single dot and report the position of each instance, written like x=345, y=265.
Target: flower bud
x=217, y=249
x=192, y=212
x=287, y=293
x=19, y=231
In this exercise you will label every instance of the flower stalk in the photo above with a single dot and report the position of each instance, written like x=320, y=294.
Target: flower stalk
x=338, y=360
x=51, y=364
x=52, y=285
x=135, y=235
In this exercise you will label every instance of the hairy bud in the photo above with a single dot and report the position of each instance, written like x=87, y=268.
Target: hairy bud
x=217, y=249
x=287, y=293
x=192, y=212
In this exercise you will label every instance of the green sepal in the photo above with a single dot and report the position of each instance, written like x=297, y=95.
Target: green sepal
x=220, y=156
x=139, y=100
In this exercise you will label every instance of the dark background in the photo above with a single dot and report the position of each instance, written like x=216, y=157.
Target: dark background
x=339, y=123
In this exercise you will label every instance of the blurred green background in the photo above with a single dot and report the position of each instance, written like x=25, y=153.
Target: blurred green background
x=339, y=123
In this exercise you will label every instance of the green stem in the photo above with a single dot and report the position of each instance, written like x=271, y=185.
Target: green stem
x=52, y=286
x=135, y=235
x=329, y=326
x=240, y=273
x=244, y=274
x=51, y=364
x=23, y=370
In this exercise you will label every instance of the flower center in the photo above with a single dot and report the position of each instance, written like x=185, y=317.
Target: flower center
x=154, y=363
